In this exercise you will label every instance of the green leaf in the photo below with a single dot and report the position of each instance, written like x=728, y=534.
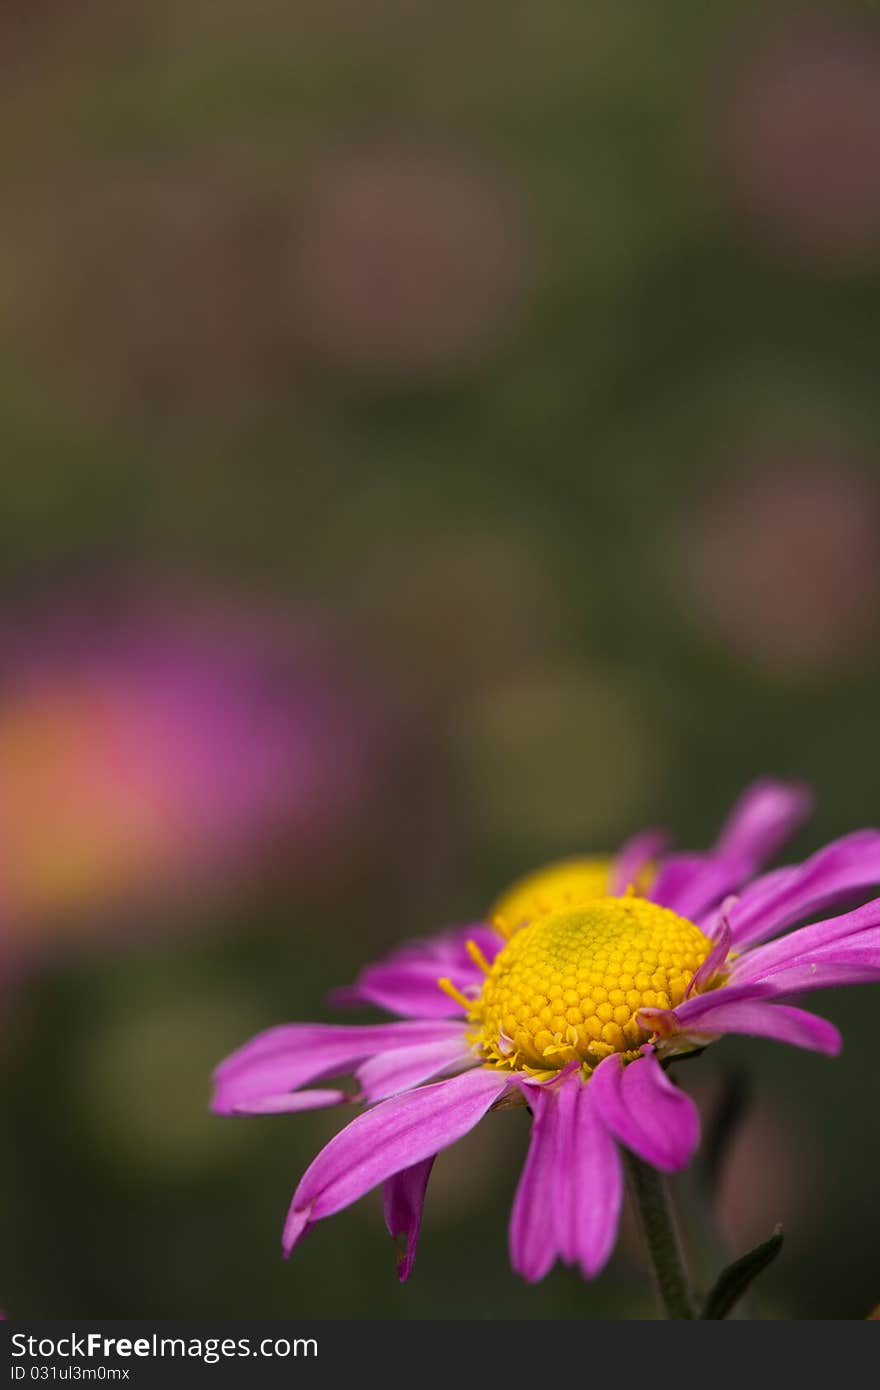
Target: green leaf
x=735, y=1280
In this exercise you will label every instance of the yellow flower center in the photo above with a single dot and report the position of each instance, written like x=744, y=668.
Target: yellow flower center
x=570, y=984
x=568, y=883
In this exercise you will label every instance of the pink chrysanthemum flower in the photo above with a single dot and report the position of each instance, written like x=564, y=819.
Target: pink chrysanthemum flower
x=591, y=976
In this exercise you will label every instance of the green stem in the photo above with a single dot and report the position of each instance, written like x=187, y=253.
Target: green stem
x=652, y=1203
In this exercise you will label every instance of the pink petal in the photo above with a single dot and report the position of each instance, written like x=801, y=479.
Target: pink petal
x=568, y=1199
x=844, y=869
x=532, y=1234
x=760, y=822
x=644, y=1110
x=761, y=1018
x=403, y=1198
x=634, y=857
x=589, y=1188
x=810, y=975
x=766, y=815
x=388, y=1073
x=312, y=1036
x=289, y=1102
x=865, y=942
x=713, y=962
x=762, y=960
x=687, y=883
x=283, y=1059
x=761, y=889
x=394, y=1135
x=406, y=983
x=692, y=1011
x=849, y=960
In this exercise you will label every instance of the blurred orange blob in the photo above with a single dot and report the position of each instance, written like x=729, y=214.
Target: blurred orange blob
x=161, y=751
x=82, y=811
x=800, y=136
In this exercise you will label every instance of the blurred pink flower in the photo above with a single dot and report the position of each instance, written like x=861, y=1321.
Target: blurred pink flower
x=783, y=565
x=146, y=750
x=800, y=134
x=410, y=265
x=769, y=1143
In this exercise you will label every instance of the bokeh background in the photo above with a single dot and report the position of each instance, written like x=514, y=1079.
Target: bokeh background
x=434, y=438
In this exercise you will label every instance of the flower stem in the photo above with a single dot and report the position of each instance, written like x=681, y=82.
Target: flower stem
x=652, y=1203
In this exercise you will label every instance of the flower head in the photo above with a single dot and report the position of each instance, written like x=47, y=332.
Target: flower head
x=592, y=976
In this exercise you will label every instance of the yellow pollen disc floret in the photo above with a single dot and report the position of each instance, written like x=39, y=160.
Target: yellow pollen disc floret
x=570, y=984
x=568, y=883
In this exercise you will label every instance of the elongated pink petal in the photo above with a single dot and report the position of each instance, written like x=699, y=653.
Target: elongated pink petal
x=765, y=816
x=810, y=975
x=762, y=1018
x=634, y=857
x=568, y=1199
x=403, y=1198
x=310, y=1037
x=691, y=1012
x=834, y=931
x=714, y=961
x=283, y=1059
x=687, y=1018
x=394, y=1135
x=532, y=1233
x=406, y=982
x=846, y=869
x=289, y=1102
x=388, y=1073
x=764, y=888
x=852, y=959
x=866, y=943
x=589, y=1188
x=690, y=883
x=644, y=1110
x=408, y=990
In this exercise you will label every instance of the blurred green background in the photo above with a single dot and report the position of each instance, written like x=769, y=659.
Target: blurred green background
x=531, y=350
